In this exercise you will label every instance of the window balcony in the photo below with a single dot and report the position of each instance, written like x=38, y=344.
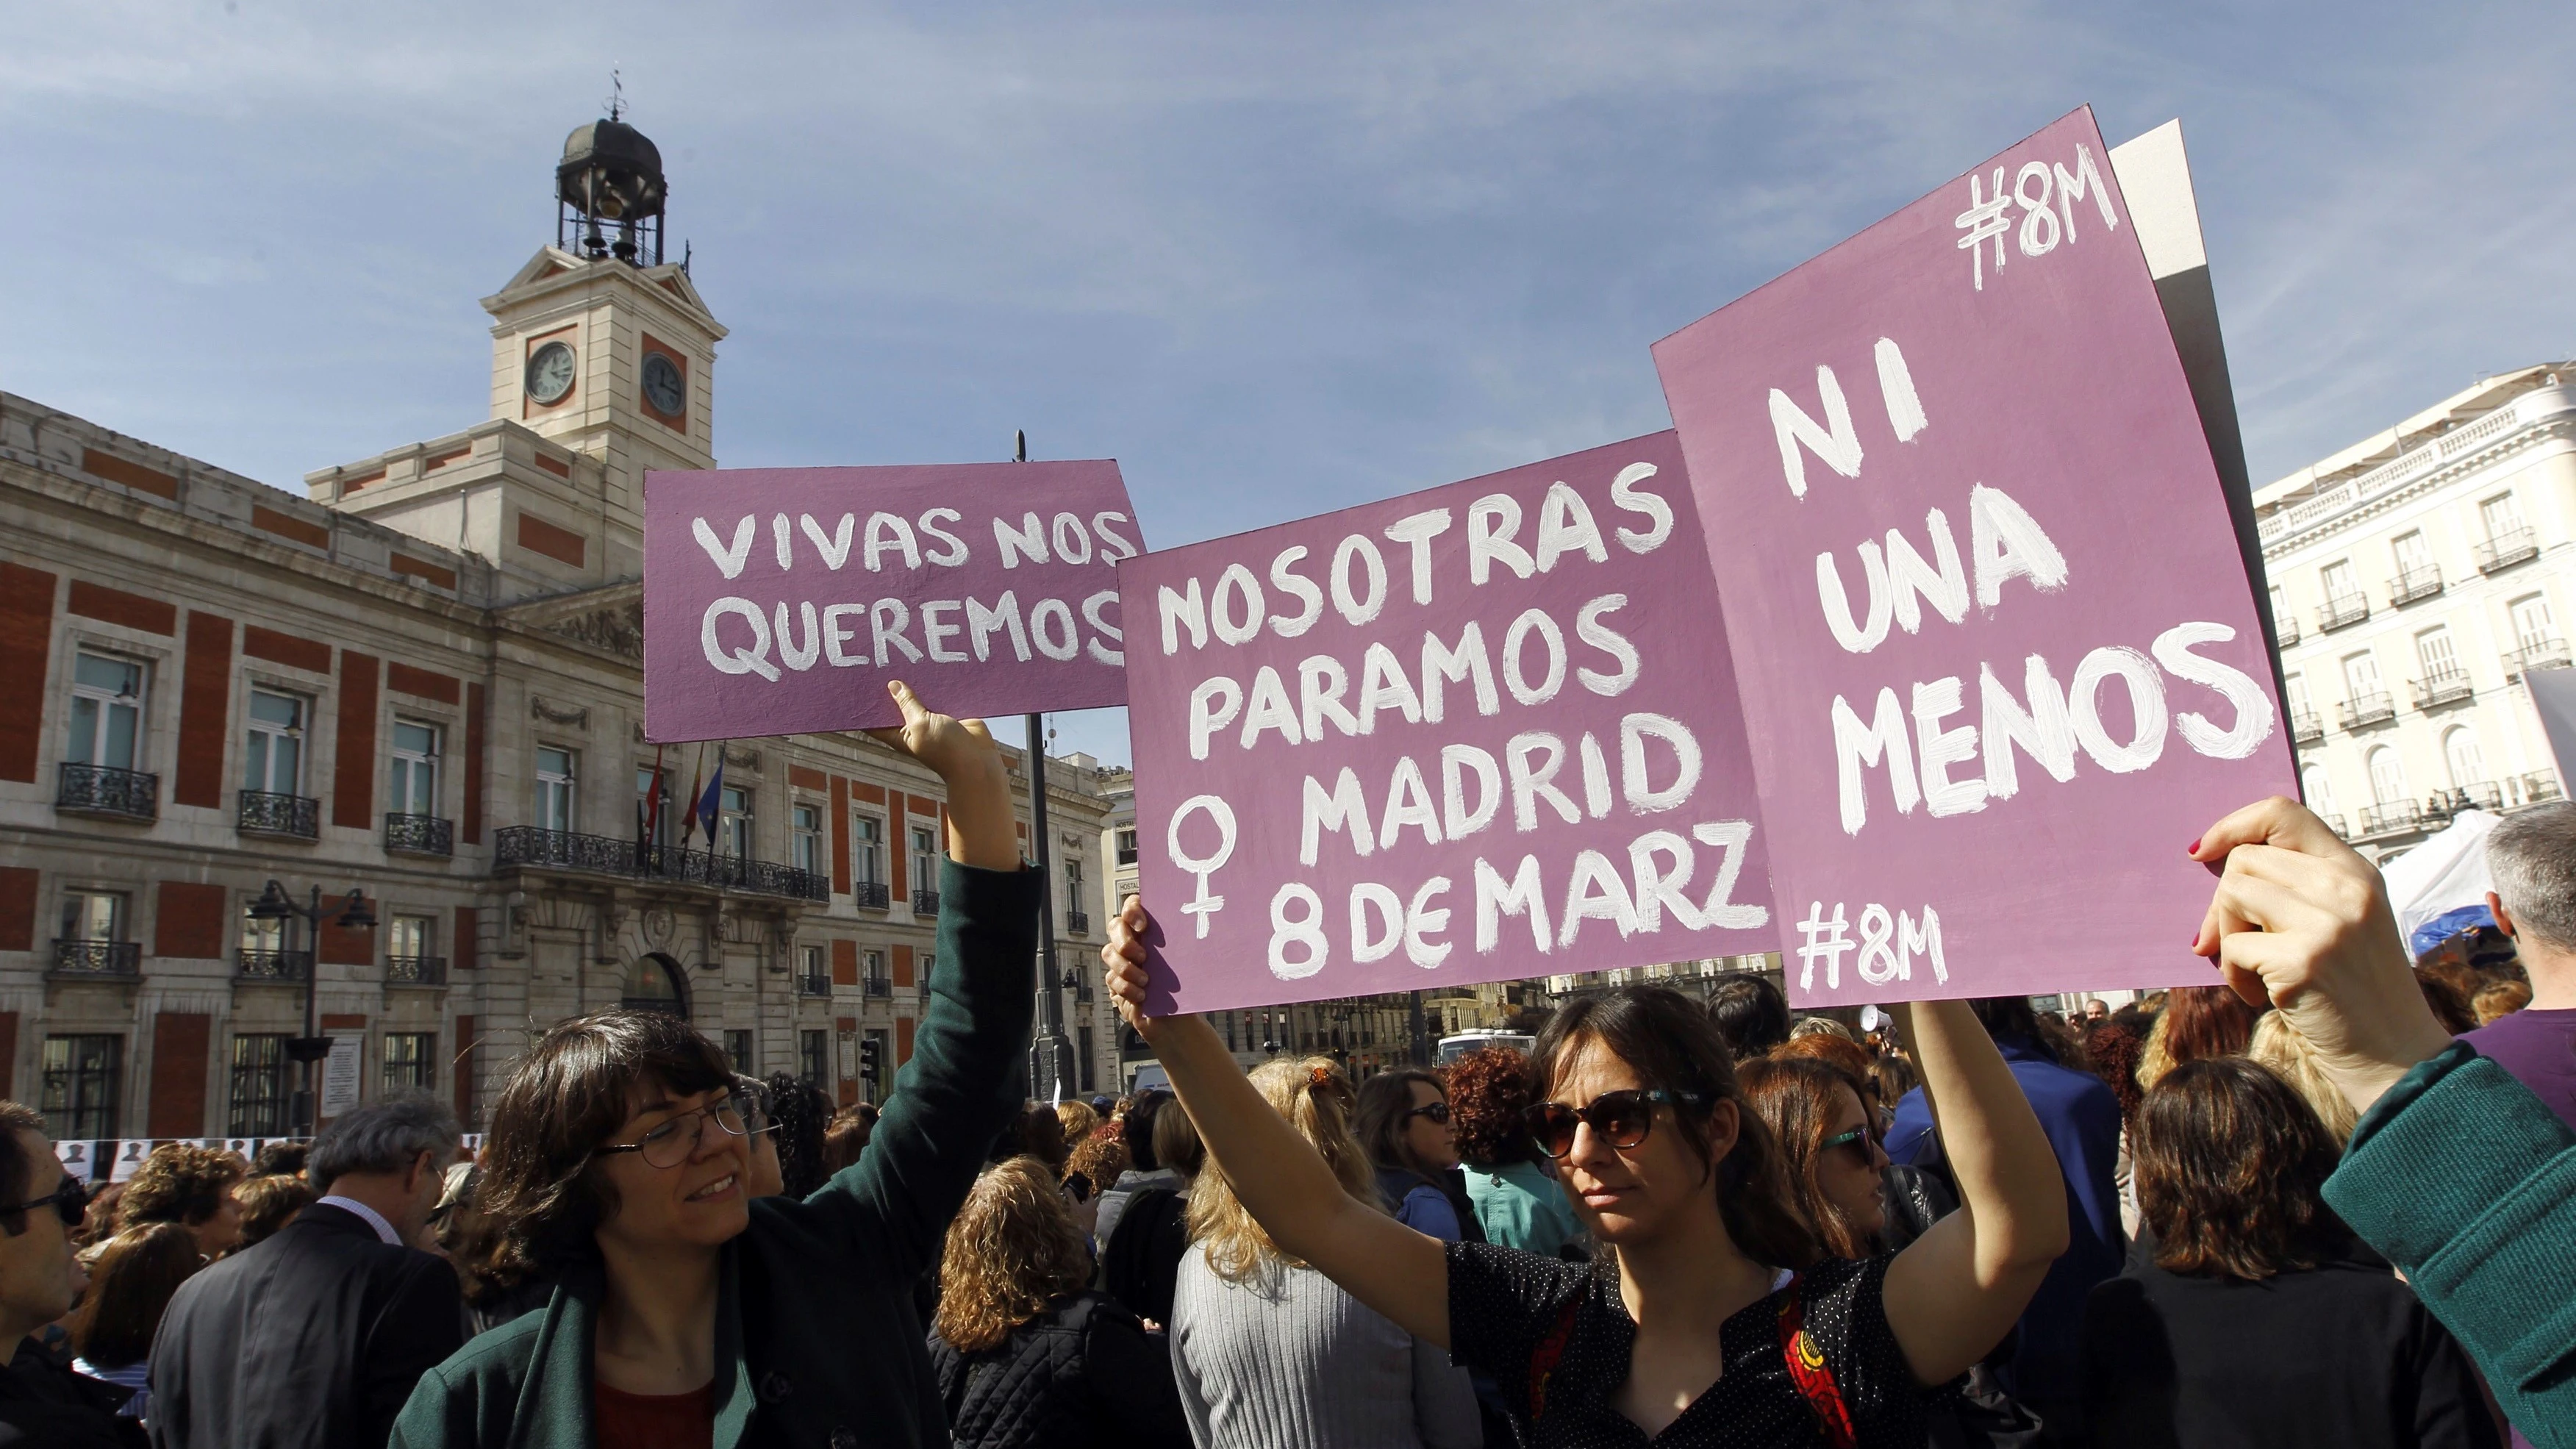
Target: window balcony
x=97, y=961
x=2342, y=612
x=2333, y=823
x=271, y=967
x=1077, y=924
x=2540, y=785
x=288, y=817
x=420, y=835
x=2536, y=654
x=815, y=984
x=2305, y=727
x=2368, y=709
x=2513, y=546
x=2389, y=817
x=2477, y=795
x=415, y=970
x=524, y=847
x=2433, y=691
x=2413, y=584
x=106, y=791
x=880, y=988
x=925, y=903
x=2284, y=628
x=870, y=895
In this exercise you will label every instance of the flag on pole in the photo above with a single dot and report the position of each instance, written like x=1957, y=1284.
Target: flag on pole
x=707, y=803
x=648, y=810
x=697, y=781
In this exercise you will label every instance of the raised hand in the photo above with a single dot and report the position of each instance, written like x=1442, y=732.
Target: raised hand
x=2300, y=919
x=980, y=830
x=1124, y=961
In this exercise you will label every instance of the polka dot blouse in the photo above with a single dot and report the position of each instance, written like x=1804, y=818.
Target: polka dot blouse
x=1505, y=1308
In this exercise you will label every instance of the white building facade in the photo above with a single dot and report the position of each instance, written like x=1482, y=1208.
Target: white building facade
x=2415, y=576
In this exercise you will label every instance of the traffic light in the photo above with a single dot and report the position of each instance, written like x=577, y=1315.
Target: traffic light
x=868, y=1060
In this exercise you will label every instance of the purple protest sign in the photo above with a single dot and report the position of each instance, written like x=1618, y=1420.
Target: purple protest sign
x=1999, y=659
x=1480, y=732
x=778, y=600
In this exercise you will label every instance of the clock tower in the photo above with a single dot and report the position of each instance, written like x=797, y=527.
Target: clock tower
x=603, y=366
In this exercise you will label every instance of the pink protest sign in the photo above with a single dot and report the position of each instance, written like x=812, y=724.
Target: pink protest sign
x=1999, y=659
x=781, y=599
x=1480, y=732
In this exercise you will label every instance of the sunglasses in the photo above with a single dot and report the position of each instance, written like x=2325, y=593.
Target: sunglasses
x=69, y=1201
x=1858, y=1139
x=1621, y=1119
x=1437, y=1112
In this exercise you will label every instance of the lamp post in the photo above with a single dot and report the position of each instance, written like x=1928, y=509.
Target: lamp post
x=351, y=911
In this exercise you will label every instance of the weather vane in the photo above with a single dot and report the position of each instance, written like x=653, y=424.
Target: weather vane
x=616, y=95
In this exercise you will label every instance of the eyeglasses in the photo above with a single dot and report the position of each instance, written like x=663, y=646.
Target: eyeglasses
x=1621, y=1119
x=1437, y=1112
x=674, y=1142
x=69, y=1201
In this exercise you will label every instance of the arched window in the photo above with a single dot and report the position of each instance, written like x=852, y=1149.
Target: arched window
x=2468, y=763
x=2387, y=777
x=655, y=983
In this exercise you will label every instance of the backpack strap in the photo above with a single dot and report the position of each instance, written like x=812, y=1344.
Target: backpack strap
x=1808, y=1370
x=1544, y=1358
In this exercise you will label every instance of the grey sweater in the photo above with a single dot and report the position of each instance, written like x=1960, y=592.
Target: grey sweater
x=1296, y=1363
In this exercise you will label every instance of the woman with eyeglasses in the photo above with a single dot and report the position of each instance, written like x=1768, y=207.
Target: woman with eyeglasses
x=687, y=1312
x=1716, y=1321
x=1404, y=1125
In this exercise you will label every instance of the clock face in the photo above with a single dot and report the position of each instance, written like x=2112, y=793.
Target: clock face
x=550, y=370
x=664, y=391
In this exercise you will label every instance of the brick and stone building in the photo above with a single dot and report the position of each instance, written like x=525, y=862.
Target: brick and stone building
x=422, y=679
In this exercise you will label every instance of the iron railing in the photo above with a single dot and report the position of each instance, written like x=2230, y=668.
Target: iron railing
x=2284, y=628
x=420, y=835
x=2306, y=727
x=1076, y=924
x=416, y=970
x=263, y=812
x=259, y=965
x=98, y=960
x=813, y=983
x=2513, y=546
x=107, y=790
x=2413, y=584
x=2537, y=654
x=2539, y=785
x=925, y=903
x=880, y=986
x=519, y=847
x=2389, y=816
x=2333, y=823
x=870, y=895
x=2448, y=687
x=2342, y=611
x=2369, y=709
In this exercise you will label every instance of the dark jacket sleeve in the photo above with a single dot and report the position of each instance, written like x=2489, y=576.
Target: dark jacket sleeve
x=963, y=1084
x=1128, y=1373
x=2467, y=1182
x=422, y=1324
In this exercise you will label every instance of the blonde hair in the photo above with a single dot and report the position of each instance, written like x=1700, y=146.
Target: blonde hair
x=1013, y=1249
x=2279, y=1044
x=1317, y=1100
x=1078, y=1121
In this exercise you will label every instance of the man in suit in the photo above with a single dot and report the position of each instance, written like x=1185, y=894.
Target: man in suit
x=317, y=1335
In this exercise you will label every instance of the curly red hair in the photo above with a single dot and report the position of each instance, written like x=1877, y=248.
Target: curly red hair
x=1488, y=1090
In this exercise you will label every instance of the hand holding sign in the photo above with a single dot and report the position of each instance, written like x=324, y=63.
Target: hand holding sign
x=980, y=826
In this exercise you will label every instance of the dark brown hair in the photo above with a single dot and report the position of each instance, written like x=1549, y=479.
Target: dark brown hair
x=2449, y=1003
x=1488, y=1090
x=180, y=1183
x=2231, y=1169
x=269, y=1203
x=2207, y=1021
x=847, y=1136
x=1671, y=1043
x=17, y=1170
x=129, y=1290
x=1176, y=1141
x=2113, y=1050
x=573, y=1089
x=1385, y=1110
x=1795, y=1095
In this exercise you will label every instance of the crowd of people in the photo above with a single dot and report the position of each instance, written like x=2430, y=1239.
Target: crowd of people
x=2324, y=1199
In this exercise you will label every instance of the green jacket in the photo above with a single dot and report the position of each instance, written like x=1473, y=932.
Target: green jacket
x=817, y=1341
x=2467, y=1182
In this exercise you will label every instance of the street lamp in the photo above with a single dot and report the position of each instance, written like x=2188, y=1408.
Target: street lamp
x=353, y=913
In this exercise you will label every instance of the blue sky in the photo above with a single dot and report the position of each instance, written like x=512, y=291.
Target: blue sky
x=1276, y=260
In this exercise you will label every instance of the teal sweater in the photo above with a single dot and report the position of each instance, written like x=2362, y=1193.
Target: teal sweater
x=817, y=1341
x=2467, y=1182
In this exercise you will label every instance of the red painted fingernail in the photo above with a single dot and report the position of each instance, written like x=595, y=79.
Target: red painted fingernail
x=2193, y=848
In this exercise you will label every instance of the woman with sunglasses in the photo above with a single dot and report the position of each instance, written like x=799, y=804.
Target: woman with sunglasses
x=1714, y=1322
x=685, y=1312
x=41, y=1401
x=1828, y=1147
x=1403, y=1122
